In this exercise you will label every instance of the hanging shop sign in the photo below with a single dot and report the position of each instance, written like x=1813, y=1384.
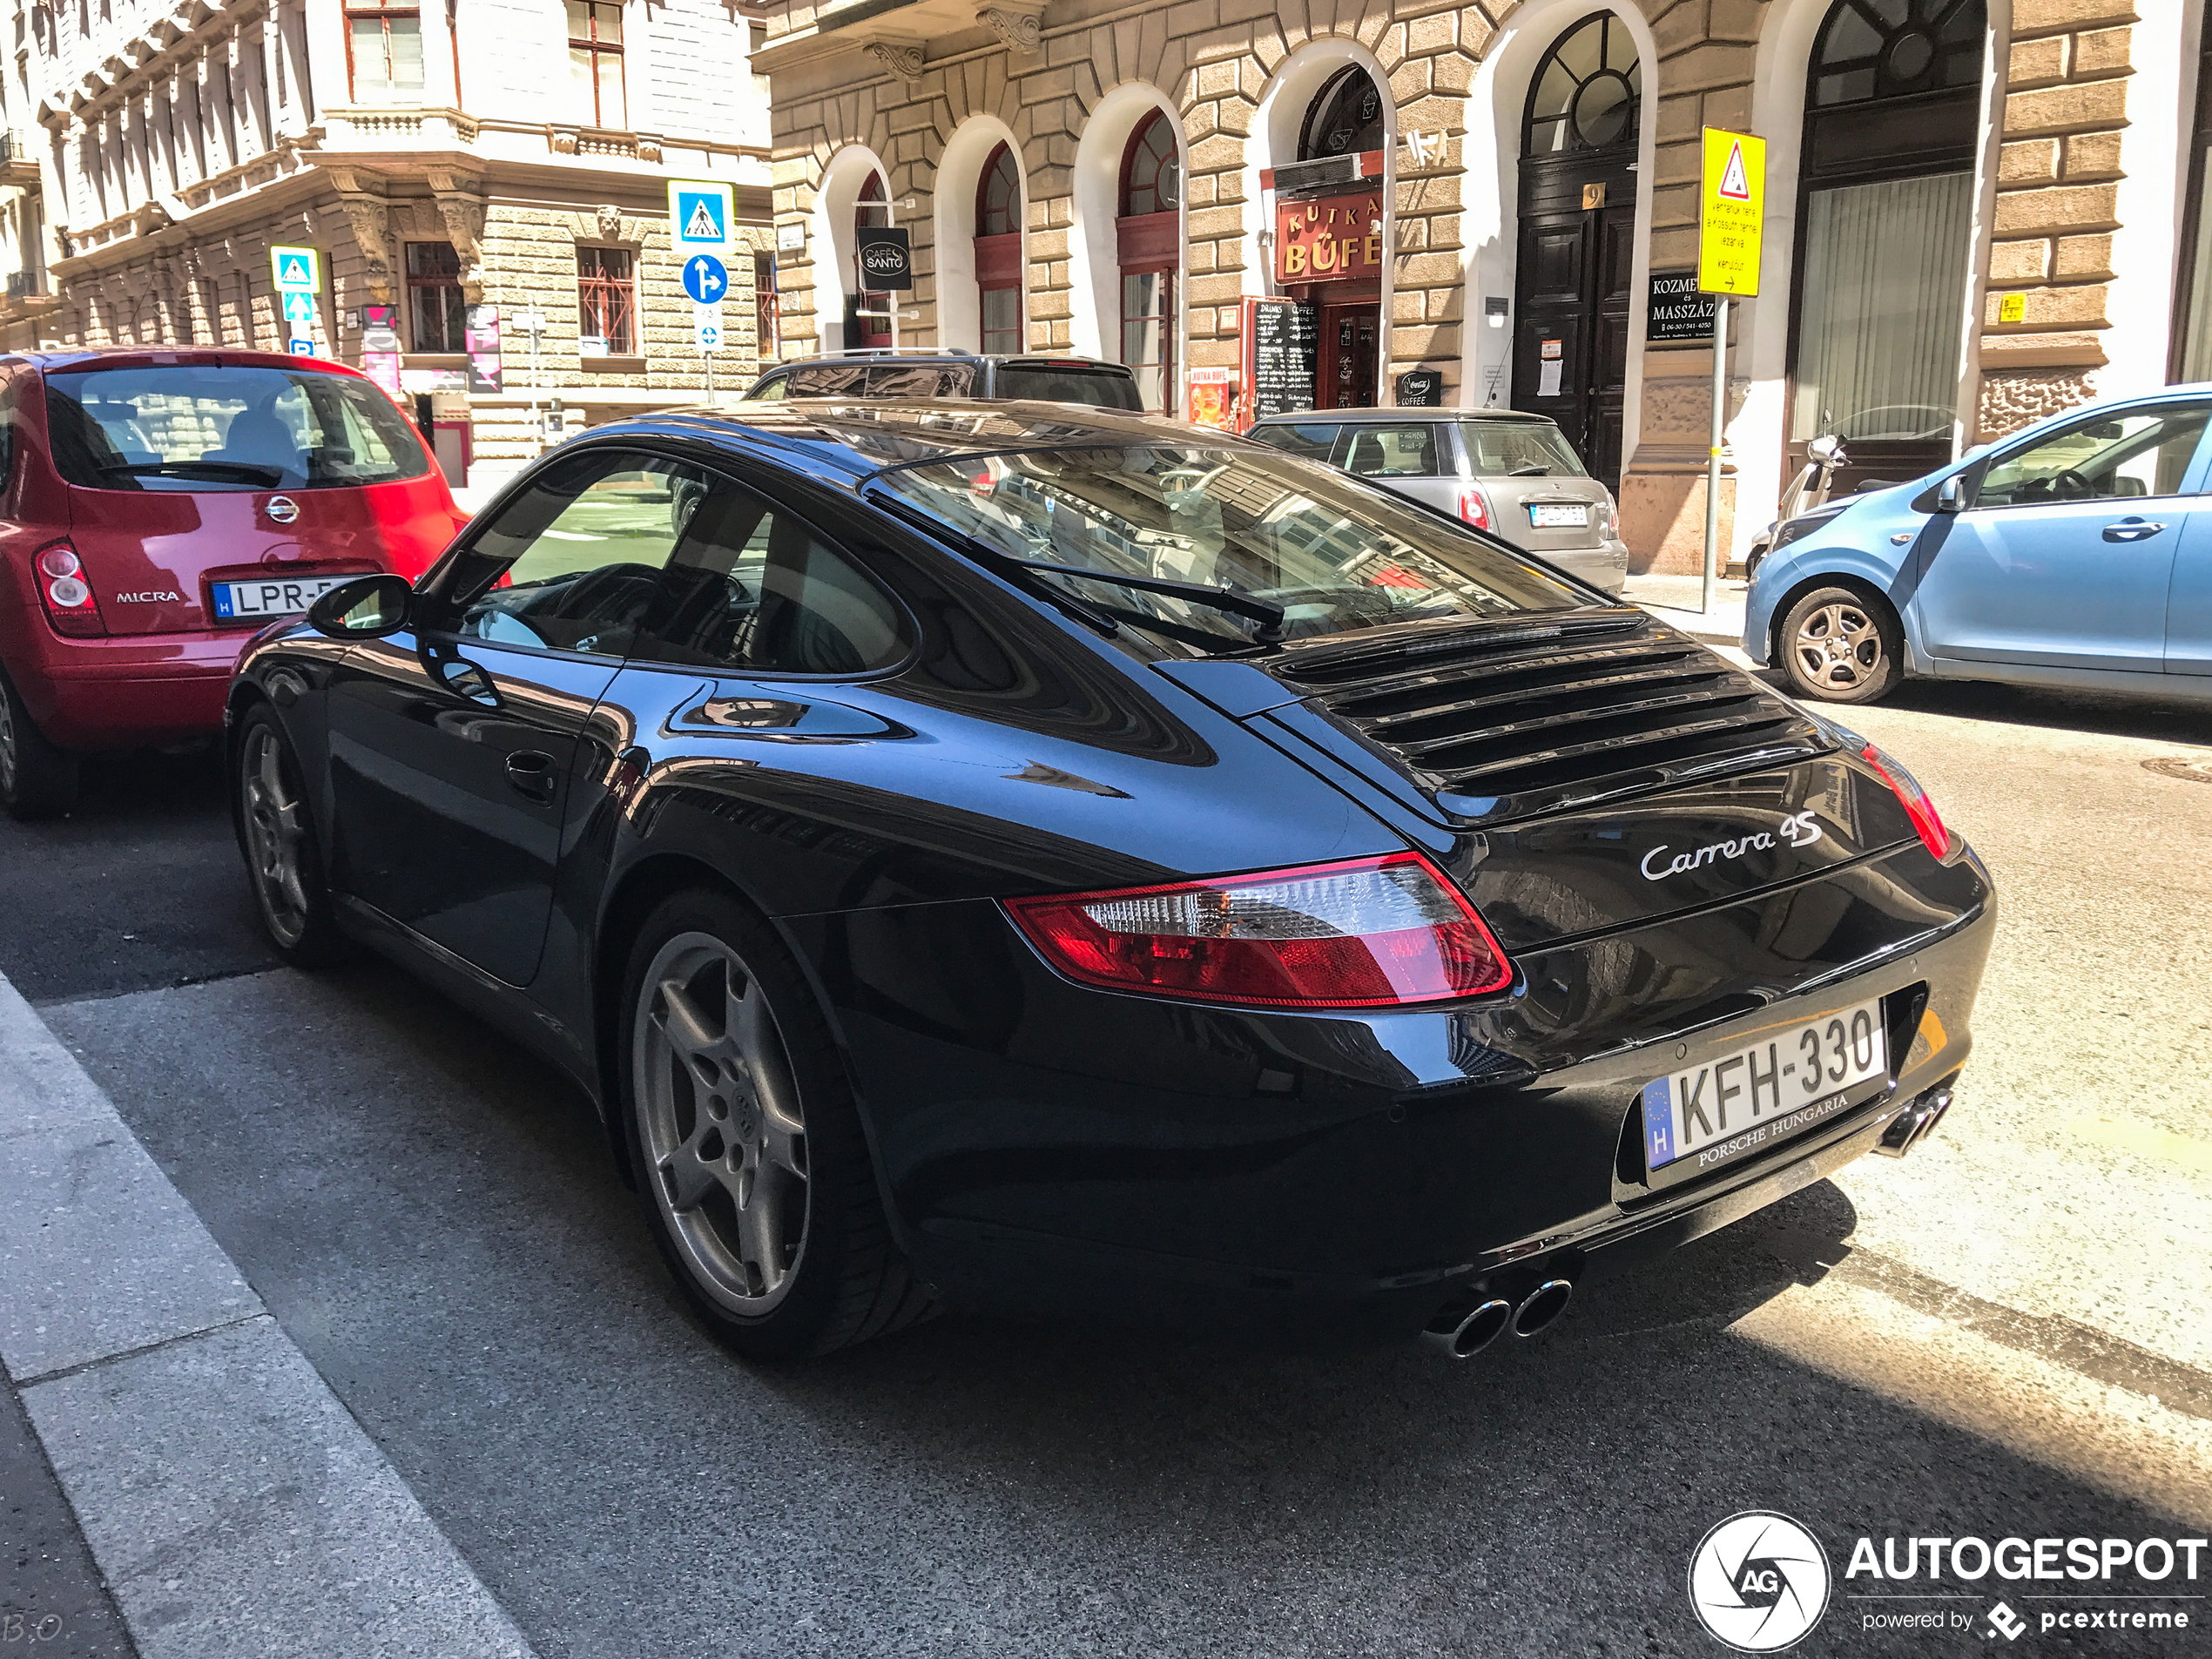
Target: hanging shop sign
x=1676, y=310
x=886, y=261
x=1420, y=388
x=482, y=339
x=380, y=346
x=1329, y=239
x=1282, y=355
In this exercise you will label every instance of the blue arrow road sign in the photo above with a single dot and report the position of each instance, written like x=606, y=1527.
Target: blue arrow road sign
x=299, y=307
x=706, y=277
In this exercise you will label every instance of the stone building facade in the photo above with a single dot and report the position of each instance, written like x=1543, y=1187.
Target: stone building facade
x=455, y=163
x=1978, y=211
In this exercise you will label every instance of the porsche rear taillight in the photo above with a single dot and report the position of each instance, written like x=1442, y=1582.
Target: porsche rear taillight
x=1911, y=797
x=1473, y=507
x=59, y=576
x=1366, y=932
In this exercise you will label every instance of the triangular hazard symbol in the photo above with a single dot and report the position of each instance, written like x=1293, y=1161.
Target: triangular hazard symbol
x=295, y=270
x=1736, y=184
x=702, y=227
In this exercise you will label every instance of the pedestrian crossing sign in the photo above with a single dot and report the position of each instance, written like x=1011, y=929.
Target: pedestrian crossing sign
x=298, y=270
x=698, y=214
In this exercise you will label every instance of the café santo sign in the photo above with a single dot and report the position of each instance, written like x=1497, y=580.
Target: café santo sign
x=1329, y=238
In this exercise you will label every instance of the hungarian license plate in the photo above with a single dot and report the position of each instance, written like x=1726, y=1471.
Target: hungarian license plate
x=1559, y=516
x=1764, y=1092
x=278, y=596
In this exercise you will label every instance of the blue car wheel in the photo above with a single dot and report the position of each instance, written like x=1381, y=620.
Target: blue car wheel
x=1841, y=644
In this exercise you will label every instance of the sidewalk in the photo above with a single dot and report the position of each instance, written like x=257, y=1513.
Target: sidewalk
x=1675, y=599
x=232, y=1505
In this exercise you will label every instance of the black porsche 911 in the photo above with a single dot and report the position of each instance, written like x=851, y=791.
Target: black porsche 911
x=1013, y=856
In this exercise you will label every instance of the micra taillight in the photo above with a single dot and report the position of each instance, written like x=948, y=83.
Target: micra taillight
x=1364, y=933
x=1473, y=507
x=1917, y=807
x=59, y=574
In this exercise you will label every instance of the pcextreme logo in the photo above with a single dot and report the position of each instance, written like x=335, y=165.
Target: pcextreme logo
x=1758, y=1582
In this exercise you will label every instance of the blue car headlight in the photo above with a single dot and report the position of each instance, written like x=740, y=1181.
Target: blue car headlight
x=1796, y=530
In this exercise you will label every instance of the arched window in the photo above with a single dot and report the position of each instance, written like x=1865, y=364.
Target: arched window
x=1150, y=238
x=1892, y=96
x=998, y=251
x=1344, y=119
x=869, y=326
x=1586, y=92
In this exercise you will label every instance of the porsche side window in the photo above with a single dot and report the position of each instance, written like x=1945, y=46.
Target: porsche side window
x=2106, y=457
x=585, y=549
x=752, y=590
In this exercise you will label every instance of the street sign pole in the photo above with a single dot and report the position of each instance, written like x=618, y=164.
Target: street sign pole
x=1713, y=458
x=1731, y=222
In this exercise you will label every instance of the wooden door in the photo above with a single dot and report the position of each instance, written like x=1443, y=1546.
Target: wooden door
x=1572, y=299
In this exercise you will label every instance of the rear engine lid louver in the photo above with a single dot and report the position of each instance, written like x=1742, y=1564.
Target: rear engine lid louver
x=1528, y=715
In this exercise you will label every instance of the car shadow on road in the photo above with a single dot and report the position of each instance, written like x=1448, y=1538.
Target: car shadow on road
x=434, y=1217
x=2098, y=713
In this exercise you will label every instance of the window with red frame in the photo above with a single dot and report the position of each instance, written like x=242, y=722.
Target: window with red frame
x=871, y=213
x=384, y=53
x=595, y=61
x=1149, y=231
x=998, y=252
x=606, y=294
x=769, y=303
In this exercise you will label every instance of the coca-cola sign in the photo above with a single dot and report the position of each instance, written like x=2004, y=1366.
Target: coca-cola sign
x=886, y=261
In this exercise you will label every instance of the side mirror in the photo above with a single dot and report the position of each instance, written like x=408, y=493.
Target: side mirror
x=368, y=608
x=1951, y=495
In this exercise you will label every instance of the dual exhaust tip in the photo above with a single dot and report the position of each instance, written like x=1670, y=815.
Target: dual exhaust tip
x=1917, y=1121
x=1463, y=1334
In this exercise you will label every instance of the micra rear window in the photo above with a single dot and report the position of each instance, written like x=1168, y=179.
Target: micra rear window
x=170, y=427
x=1102, y=389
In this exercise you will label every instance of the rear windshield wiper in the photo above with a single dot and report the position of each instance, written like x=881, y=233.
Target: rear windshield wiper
x=1529, y=469
x=1265, y=612
x=268, y=476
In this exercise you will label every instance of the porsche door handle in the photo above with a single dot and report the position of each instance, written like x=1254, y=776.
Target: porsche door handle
x=2132, y=530
x=533, y=774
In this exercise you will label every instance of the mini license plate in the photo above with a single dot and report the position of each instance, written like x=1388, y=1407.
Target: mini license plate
x=279, y=597
x=1559, y=516
x=1763, y=1092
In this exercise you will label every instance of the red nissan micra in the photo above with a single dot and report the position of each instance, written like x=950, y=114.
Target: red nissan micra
x=158, y=508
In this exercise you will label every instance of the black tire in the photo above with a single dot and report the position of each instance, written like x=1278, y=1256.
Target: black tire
x=710, y=1127
x=276, y=829
x=1841, y=644
x=37, y=779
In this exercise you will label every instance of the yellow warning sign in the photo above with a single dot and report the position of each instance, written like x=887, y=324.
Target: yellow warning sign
x=1731, y=212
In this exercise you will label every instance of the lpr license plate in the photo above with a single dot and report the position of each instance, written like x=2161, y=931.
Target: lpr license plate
x=278, y=596
x=1766, y=1091
x=1559, y=516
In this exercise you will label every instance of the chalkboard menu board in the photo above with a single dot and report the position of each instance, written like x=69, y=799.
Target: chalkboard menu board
x=1677, y=310
x=1286, y=343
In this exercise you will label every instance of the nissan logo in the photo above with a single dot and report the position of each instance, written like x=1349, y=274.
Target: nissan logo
x=281, y=509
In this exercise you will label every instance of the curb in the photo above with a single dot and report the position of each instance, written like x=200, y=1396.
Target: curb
x=1698, y=626
x=230, y=1501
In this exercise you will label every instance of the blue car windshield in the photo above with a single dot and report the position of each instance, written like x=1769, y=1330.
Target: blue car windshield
x=1336, y=554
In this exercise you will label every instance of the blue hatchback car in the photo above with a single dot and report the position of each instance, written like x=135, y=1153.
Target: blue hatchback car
x=2076, y=552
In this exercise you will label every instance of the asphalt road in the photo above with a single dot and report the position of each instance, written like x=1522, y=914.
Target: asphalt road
x=2008, y=1332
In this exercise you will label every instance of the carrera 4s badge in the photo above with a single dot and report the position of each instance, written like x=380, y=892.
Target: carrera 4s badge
x=1798, y=829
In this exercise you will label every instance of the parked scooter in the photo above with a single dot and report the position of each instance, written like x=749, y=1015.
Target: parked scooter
x=1825, y=456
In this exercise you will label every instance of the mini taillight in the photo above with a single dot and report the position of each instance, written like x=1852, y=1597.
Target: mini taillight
x=1913, y=798
x=1473, y=507
x=1366, y=932
x=63, y=590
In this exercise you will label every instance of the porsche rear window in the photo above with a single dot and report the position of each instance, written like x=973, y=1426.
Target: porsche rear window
x=172, y=426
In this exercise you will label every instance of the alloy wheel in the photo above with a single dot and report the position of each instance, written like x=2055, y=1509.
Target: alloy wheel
x=1838, y=647
x=275, y=833
x=8, y=759
x=722, y=1125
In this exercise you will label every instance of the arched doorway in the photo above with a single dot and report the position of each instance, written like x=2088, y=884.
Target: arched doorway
x=867, y=312
x=1344, y=121
x=1884, y=231
x=1148, y=243
x=1577, y=246
x=998, y=252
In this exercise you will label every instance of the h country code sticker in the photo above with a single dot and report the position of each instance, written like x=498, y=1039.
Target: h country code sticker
x=1768, y=1089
